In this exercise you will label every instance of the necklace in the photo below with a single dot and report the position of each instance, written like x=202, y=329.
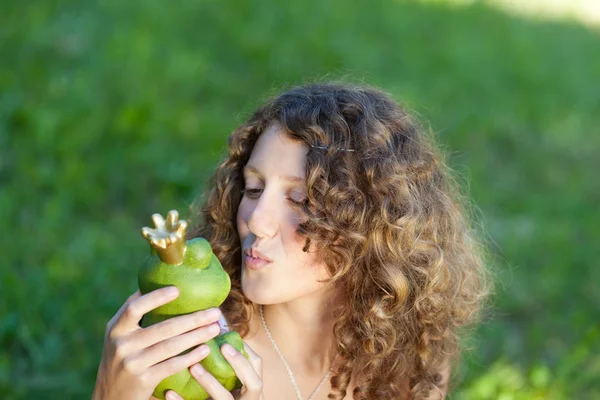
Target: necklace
x=262, y=317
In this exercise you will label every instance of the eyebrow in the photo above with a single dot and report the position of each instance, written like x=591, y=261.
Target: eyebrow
x=291, y=179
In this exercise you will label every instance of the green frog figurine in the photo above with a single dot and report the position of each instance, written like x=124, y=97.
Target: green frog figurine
x=202, y=283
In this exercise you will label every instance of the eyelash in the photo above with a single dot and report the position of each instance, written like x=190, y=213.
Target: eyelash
x=250, y=192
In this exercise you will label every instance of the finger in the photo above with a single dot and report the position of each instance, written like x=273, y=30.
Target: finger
x=246, y=371
x=113, y=321
x=173, y=327
x=132, y=312
x=210, y=383
x=255, y=359
x=171, y=395
x=174, y=346
x=115, y=318
x=134, y=296
x=179, y=363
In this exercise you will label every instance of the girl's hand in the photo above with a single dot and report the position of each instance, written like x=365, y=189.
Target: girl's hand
x=249, y=373
x=135, y=360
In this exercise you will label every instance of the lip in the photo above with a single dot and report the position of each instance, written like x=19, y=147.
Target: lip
x=254, y=253
x=255, y=260
x=255, y=263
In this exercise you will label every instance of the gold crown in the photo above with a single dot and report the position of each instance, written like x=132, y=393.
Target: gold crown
x=168, y=237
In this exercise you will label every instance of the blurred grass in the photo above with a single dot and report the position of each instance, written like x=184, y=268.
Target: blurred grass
x=110, y=111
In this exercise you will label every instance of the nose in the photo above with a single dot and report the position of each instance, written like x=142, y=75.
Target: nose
x=262, y=220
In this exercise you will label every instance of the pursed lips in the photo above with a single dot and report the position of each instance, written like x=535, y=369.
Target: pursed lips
x=254, y=253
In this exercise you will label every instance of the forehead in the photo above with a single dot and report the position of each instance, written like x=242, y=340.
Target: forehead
x=276, y=155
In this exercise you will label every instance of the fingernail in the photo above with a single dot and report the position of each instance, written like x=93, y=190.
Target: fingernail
x=170, y=396
x=171, y=291
x=228, y=349
x=203, y=350
x=197, y=370
x=214, y=313
x=214, y=329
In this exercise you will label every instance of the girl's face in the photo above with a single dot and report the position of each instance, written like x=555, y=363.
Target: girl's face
x=267, y=219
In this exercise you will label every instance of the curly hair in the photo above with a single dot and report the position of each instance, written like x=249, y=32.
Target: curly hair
x=390, y=224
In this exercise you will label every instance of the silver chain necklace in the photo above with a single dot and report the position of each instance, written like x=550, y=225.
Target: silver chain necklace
x=262, y=317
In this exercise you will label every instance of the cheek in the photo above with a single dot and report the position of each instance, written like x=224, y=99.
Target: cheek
x=296, y=238
x=299, y=240
x=242, y=218
x=299, y=243
x=309, y=258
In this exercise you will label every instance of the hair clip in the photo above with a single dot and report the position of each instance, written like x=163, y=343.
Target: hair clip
x=326, y=147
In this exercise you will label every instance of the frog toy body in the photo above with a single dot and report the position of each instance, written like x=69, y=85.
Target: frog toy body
x=193, y=268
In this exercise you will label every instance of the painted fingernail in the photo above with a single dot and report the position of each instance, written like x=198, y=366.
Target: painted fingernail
x=197, y=370
x=228, y=349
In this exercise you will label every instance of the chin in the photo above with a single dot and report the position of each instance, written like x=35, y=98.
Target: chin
x=259, y=298
x=258, y=292
x=261, y=292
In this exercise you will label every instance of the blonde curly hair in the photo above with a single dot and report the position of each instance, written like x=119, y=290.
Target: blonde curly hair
x=389, y=222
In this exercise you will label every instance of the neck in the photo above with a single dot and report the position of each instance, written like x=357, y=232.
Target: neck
x=303, y=332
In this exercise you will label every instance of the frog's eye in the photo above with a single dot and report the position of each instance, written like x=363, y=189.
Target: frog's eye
x=200, y=253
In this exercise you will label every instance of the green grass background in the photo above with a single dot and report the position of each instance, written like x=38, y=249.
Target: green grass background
x=113, y=110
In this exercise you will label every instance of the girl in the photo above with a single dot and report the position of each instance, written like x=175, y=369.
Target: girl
x=351, y=254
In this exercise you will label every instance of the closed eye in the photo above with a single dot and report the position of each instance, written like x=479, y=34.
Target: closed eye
x=251, y=193
x=255, y=194
x=298, y=203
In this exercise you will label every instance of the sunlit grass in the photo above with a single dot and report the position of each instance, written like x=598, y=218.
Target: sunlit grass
x=584, y=11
